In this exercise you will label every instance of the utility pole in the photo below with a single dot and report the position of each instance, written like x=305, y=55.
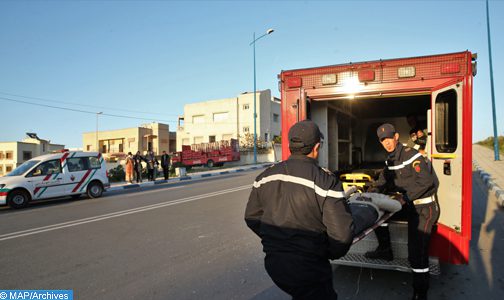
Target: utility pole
x=496, y=137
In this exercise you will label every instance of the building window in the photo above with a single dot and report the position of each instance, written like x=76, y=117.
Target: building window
x=275, y=118
x=211, y=139
x=198, y=119
x=266, y=135
x=1, y=155
x=245, y=106
x=27, y=155
x=219, y=117
x=8, y=168
x=88, y=147
x=1, y=170
x=9, y=155
x=246, y=129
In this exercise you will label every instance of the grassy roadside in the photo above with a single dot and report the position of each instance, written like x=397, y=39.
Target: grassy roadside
x=489, y=143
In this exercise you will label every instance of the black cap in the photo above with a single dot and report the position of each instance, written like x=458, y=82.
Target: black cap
x=385, y=131
x=304, y=134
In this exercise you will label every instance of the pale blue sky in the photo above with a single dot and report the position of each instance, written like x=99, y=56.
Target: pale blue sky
x=139, y=56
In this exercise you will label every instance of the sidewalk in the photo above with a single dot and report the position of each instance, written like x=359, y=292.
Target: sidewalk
x=491, y=171
x=123, y=185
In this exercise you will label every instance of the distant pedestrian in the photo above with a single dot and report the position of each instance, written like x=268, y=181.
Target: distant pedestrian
x=151, y=165
x=137, y=160
x=165, y=164
x=129, y=168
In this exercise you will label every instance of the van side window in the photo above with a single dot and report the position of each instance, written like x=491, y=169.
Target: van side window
x=47, y=168
x=94, y=162
x=77, y=164
x=446, y=122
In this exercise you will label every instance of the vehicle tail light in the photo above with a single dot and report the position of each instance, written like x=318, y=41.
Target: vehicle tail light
x=406, y=72
x=294, y=82
x=450, y=68
x=366, y=75
x=329, y=79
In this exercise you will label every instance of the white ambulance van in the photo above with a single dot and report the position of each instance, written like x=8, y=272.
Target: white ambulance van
x=55, y=175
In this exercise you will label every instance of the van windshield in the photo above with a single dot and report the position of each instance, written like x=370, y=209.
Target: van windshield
x=23, y=168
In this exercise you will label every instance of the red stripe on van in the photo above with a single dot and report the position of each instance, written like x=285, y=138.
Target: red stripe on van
x=81, y=181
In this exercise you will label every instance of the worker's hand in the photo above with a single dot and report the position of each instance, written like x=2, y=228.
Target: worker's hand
x=373, y=189
x=398, y=197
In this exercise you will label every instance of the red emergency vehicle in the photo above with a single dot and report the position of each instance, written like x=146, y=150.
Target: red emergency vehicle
x=349, y=101
x=209, y=154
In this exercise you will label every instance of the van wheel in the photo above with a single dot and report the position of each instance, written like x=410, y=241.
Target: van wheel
x=18, y=199
x=94, y=190
x=210, y=163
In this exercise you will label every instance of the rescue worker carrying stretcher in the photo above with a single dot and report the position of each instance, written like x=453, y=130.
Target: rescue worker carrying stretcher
x=407, y=173
x=300, y=213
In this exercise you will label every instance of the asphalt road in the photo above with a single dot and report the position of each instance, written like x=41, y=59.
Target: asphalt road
x=188, y=241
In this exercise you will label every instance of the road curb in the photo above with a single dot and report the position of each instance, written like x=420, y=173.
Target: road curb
x=188, y=177
x=491, y=185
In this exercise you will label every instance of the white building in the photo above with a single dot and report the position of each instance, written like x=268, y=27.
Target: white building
x=223, y=119
x=13, y=154
x=118, y=142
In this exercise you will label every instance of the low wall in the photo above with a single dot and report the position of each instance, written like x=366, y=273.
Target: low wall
x=247, y=158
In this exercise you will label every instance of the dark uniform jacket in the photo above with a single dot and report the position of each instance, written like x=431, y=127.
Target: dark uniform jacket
x=407, y=172
x=165, y=160
x=297, y=207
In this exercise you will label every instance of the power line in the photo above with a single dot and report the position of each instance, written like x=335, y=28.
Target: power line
x=85, y=105
x=83, y=111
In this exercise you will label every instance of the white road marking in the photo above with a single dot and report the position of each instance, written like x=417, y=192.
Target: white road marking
x=38, y=230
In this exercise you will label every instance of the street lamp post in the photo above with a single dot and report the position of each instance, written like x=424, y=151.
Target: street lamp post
x=496, y=137
x=269, y=31
x=96, y=133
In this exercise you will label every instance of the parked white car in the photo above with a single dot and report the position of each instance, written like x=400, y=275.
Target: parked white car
x=55, y=175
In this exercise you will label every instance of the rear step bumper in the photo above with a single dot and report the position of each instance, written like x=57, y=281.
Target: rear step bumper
x=398, y=264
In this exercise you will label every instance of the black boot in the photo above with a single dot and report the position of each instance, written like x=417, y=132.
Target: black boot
x=384, y=250
x=380, y=253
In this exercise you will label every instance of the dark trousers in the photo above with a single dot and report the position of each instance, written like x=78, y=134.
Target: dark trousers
x=302, y=277
x=419, y=231
x=150, y=174
x=421, y=219
x=138, y=175
x=166, y=172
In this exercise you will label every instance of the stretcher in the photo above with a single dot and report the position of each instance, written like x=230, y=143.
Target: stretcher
x=369, y=210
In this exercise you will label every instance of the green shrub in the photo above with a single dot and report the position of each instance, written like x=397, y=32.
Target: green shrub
x=489, y=143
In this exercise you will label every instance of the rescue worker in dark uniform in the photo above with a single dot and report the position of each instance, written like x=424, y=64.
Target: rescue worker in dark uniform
x=299, y=212
x=407, y=173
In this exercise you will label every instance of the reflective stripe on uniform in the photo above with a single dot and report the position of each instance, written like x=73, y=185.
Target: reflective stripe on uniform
x=425, y=200
x=298, y=180
x=404, y=164
x=426, y=270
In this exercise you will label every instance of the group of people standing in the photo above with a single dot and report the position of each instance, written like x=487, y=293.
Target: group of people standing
x=134, y=167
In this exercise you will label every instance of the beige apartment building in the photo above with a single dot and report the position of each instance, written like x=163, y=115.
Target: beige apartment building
x=223, y=119
x=117, y=143
x=13, y=154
